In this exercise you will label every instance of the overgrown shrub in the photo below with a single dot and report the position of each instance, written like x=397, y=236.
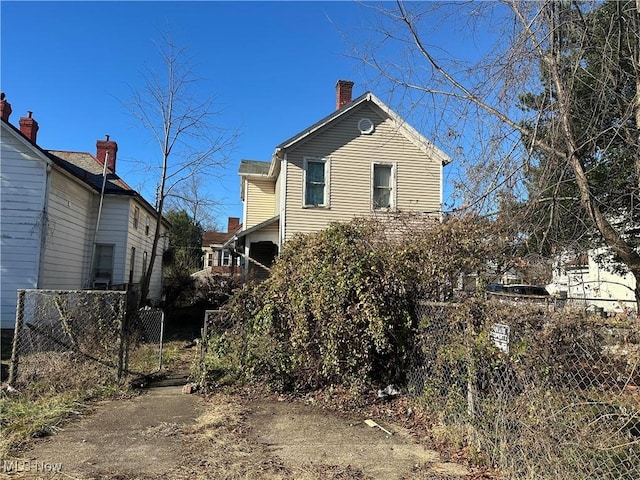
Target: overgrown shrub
x=338, y=307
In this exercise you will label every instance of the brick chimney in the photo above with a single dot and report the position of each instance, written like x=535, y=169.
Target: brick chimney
x=343, y=93
x=5, y=108
x=233, y=224
x=29, y=127
x=104, y=146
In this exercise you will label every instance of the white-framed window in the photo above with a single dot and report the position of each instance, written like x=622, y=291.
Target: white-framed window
x=210, y=260
x=132, y=265
x=316, y=182
x=103, y=266
x=383, y=186
x=136, y=217
x=144, y=263
x=147, y=226
x=225, y=258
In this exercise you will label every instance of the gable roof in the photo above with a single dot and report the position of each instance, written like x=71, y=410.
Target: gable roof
x=82, y=166
x=407, y=130
x=86, y=167
x=218, y=238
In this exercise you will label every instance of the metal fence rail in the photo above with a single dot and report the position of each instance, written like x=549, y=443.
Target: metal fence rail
x=538, y=394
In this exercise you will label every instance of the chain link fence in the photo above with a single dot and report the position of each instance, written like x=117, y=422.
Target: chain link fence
x=71, y=339
x=537, y=394
x=217, y=359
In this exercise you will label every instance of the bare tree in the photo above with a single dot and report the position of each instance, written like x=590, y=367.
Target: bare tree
x=569, y=127
x=181, y=123
x=191, y=197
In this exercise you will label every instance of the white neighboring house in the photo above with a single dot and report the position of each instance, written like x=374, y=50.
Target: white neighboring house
x=52, y=235
x=587, y=283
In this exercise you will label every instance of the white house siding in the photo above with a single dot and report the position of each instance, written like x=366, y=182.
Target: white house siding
x=113, y=231
x=591, y=285
x=70, y=224
x=143, y=242
x=23, y=184
x=351, y=154
x=260, y=201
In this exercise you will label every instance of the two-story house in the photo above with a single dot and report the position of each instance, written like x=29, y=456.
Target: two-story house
x=69, y=222
x=362, y=159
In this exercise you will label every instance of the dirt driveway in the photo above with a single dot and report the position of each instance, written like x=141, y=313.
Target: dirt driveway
x=170, y=435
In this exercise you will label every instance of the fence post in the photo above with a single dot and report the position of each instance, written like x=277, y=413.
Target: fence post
x=161, y=339
x=471, y=370
x=205, y=336
x=122, y=338
x=17, y=328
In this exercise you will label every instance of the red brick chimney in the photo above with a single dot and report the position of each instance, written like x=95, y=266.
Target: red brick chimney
x=233, y=224
x=104, y=146
x=343, y=93
x=29, y=127
x=5, y=108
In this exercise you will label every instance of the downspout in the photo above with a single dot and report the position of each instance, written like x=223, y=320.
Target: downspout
x=95, y=234
x=44, y=223
x=283, y=202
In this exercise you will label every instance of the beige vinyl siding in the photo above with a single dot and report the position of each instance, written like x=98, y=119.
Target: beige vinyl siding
x=277, y=192
x=67, y=242
x=260, y=197
x=350, y=155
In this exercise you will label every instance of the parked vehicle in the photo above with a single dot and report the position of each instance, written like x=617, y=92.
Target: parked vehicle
x=518, y=289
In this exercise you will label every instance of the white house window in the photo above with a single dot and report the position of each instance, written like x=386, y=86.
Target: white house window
x=103, y=269
x=210, y=260
x=225, y=258
x=144, y=263
x=383, y=183
x=147, y=225
x=132, y=264
x=316, y=182
x=136, y=217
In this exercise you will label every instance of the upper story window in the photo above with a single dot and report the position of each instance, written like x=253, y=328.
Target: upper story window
x=147, y=225
x=316, y=182
x=136, y=217
x=383, y=186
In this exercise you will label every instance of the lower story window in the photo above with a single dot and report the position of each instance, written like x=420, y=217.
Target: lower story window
x=225, y=258
x=103, y=266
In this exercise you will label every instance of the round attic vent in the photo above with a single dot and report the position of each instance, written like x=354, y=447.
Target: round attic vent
x=365, y=126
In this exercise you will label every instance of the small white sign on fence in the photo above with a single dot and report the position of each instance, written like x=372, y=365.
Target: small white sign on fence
x=499, y=335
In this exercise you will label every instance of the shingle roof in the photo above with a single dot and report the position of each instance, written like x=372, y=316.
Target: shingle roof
x=214, y=238
x=217, y=238
x=254, y=167
x=86, y=167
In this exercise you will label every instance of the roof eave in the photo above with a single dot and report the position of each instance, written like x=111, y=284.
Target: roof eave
x=318, y=125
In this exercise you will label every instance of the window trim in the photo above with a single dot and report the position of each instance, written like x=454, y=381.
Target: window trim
x=136, y=217
x=394, y=187
x=95, y=268
x=327, y=182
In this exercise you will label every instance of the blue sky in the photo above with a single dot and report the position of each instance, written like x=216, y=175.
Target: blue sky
x=272, y=66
